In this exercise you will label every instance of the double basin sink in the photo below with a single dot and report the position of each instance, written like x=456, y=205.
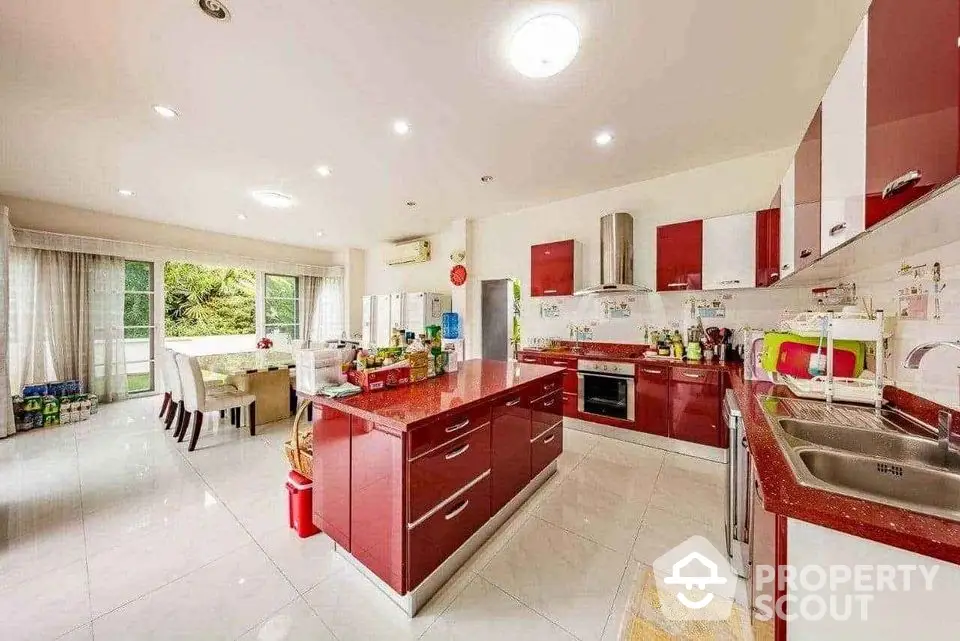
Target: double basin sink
x=874, y=459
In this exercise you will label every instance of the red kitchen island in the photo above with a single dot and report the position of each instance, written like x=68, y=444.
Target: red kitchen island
x=410, y=481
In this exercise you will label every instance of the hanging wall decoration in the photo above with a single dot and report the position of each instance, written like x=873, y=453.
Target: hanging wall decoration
x=458, y=275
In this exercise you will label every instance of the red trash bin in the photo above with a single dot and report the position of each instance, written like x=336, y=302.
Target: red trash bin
x=300, y=491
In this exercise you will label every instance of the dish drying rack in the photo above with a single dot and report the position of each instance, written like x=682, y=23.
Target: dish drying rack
x=864, y=328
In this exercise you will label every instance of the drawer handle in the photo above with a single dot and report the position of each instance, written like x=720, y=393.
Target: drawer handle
x=730, y=282
x=560, y=363
x=676, y=285
x=900, y=183
x=457, y=427
x=774, y=274
x=513, y=403
x=547, y=388
x=652, y=371
x=549, y=291
x=688, y=375
x=786, y=266
x=836, y=229
x=457, y=510
x=549, y=438
x=457, y=452
x=806, y=253
x=550, y=402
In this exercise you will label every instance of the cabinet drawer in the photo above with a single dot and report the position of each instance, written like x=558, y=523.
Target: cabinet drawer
x=436, y=433
x=529, y=358
x=653, y=372
x=693, y=375
x=559, y=361
x=545, y=447
x=435, y=538
x=570, y=404
x=545, y=386
x=439, y=473
x=546, y=412
x=571, y=384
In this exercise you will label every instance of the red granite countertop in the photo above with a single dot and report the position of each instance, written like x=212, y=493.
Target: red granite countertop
x=474, y=381
x=782, y=494
x=634, y=355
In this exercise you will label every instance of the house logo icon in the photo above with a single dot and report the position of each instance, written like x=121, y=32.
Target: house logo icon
x=695, y=582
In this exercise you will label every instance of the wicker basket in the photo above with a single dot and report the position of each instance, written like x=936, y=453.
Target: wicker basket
x=300, y=446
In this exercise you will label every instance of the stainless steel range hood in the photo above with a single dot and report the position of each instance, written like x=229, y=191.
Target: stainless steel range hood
x=616, y=257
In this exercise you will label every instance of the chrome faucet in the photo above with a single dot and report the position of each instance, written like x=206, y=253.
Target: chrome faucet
x=912, y=361
x=944, y=435
x=944, y=417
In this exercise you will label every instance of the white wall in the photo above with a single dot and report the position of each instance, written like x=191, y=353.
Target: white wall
x=431, y=276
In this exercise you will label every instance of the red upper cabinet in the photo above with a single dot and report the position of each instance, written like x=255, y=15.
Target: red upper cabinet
x=680, y=256
x=913, y=90
x=554, y=269
x=768, y=244
x=807, y=194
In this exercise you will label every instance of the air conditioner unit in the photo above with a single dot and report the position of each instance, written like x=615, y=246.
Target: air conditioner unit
x=414, y=251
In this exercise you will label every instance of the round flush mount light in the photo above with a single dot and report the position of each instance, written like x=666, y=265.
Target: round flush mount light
x=324, y=170
x=319, y=234
x=486, y=179
x=273, y=199
x=215, y=9
x=603, y=138
x=125, y=192
x=544, y=46
x=241, y=216
x=411, y=203
x=165, y=112
x=401, y=127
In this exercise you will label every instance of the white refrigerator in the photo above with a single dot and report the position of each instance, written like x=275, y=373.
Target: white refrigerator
x=408, y=311
x=422, y=309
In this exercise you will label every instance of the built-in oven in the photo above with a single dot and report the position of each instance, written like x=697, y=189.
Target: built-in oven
x=606, y=389
x=738, y=486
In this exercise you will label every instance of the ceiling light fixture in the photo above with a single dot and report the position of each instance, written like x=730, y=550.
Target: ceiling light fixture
x=165, y=112
x=125, y=192
x=324, y=171
x=486, y=179
x=603, y=138
x=215, y=9
x=273, y=199
x=319, y=234
x=411, y=203
x=241, y=216
x=401, y=127
x=544, y=46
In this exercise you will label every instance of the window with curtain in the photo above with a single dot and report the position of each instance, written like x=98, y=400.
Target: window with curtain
x=138, y=326
x=281, y=304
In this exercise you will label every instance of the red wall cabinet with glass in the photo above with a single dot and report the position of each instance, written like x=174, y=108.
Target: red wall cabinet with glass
x=913, y=94
x=554, y=269
x=695, y=406
x=680, y=256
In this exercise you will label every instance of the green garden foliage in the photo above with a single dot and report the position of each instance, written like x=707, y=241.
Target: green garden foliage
x=208, y=301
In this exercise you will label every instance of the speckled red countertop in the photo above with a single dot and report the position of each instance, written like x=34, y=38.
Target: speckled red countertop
x=782, y=494
x=474, y=381
x=626, y=356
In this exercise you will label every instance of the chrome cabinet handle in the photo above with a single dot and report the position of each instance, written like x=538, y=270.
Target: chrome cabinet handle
x=457, y=427
x=549, y=438
x=460, y=508
x=550, y=402
x=652, y=371
x=836, y=229
x=786, y=267
x=457, y=452
x=730, y=282
x=560, y=362
x=676, y=285
x=806, y=253
x=549, y=291
x=512, y=403
x=688, y=375
x=900, y=183
x=774, y=274
x=549, y=387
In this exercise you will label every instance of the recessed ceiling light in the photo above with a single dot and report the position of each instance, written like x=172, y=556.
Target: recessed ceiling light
x=544, y=46
x=401, y=127
x=603, y=138
x=319, y=234
x=274, y=199
x=215, y=9
x=241, y=216
x=165, y=112
x=486, y=179
x=324, y=170
x=125, y=192
x=411, y=203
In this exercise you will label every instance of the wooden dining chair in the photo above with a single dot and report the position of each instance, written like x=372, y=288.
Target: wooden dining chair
x=197, y=399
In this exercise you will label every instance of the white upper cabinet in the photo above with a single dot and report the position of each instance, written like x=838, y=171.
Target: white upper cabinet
x=730, y=252
x=844, y=159
x=788, y=211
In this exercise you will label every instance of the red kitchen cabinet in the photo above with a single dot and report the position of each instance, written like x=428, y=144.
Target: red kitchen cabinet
x=653, y=399
x=553, y=269
x=807, y=194
x=768, y=549
x=913, y=92
x=331, y=470
x=510, y=459
x=768, y=246
x=529, y=358
x=680, y=256
x=546, y=412
x=440, y=472
x=695, y=406
x=545, y=448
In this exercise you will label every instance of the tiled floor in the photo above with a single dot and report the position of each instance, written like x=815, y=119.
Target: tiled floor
x=111, y=530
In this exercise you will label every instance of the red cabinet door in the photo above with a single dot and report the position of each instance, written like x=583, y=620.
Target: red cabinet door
x=653, y=399
x=695, y=407
x=331, y=470
x=546, y=412
x=680, y=256
x=913, y=90
x=510, y=459
x=807, y=192
x=552, y=269
x=544, y=448
x=768, y=549
x=768, y=247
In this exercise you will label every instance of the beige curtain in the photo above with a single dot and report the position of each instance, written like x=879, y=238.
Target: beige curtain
x=7, y=426
x=309, y=287
x=106, y=363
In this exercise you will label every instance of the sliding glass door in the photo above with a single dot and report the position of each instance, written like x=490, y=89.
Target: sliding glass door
x=138, y=326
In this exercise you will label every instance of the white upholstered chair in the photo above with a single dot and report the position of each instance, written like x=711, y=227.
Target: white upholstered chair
x=197, y=399
x=173, y=389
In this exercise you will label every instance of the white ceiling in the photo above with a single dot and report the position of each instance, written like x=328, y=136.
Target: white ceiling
x=292, y=84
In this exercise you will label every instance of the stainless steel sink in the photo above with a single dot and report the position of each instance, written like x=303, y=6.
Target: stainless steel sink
x=886, y=445
x=857, y=452
x=913, y=487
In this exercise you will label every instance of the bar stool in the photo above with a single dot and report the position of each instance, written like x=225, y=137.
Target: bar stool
x=198, y=400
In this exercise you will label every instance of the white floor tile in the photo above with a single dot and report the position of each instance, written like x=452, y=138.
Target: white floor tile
x=47, y=550
x=83, y=633
x=305, y=562
x=45, y=607
x=662, y=530
x=678, y=493
x=295, y=621
x=567, y=578
x=483, y=612
x=219, y=601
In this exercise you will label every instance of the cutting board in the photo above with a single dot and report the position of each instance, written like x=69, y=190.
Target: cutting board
x=773, y=342
x=794, y=359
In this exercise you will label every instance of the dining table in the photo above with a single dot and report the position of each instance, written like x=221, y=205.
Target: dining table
x=265, y=373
